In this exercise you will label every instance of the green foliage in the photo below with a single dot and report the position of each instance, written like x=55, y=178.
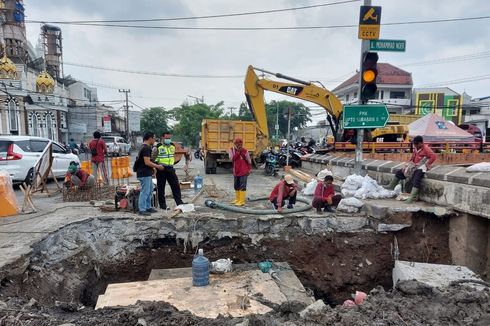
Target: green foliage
x=155, y=119
x=300, y=116
x=189, y=119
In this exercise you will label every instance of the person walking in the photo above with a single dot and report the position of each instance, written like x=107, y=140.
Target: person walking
x=286, y=189
x=323, y=196
x=144, y=172
x=165, y=158
x=421, y=161
x=242, y=165
x=98, y=149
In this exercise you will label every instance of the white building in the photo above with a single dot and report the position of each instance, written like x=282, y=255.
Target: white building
x=477, y=112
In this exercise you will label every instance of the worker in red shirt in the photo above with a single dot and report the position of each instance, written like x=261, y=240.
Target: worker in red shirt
x=422, y=160
x=286, y=189
x=324, y=195
x=98, y=149
x=242, y=165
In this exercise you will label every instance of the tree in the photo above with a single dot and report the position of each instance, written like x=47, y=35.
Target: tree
x=155, y=119
x=189, y=119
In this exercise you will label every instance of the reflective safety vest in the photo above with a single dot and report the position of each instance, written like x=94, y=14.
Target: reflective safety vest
x=165, y=155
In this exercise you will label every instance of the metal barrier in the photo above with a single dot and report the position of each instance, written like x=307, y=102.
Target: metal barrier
x=406, y=147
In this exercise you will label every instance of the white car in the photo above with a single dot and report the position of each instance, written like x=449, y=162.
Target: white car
x=19, y=155
x=116, y=146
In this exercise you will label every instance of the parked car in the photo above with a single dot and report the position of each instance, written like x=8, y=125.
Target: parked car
x=116, y=146
x=19, y=155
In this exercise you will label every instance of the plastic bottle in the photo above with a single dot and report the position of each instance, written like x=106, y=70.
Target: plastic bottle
x=200, y=270
x=198, y=182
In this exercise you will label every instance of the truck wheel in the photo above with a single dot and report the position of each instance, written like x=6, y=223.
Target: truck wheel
x=213, y=170
x=208, y=171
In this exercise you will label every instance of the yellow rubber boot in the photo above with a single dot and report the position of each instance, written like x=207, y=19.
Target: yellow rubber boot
x=237, y=198
x=241, y=196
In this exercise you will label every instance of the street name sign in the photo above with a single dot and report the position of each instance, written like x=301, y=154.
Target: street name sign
x=387, y=45
x=369, y=23
x=365, y=116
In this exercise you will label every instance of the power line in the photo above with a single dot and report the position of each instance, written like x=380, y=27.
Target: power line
x=434, y=21
x=457, y=81
x=151, y=72
x=195, y=17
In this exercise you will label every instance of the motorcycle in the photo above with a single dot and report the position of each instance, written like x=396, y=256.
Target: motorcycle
x=198, y=154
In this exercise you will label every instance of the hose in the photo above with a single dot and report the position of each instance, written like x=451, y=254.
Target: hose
x=214, y=204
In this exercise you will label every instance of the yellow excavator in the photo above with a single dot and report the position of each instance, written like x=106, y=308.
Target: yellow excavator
x=303, y=90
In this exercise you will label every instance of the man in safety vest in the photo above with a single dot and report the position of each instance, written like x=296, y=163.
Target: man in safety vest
x=164, y=156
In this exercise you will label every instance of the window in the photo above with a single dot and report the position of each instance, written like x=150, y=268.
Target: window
x=58, y=149
x=87, y=93
x=452, y=108
x=38, y=146
x=397, y=94
x=382, y=94
x=347, y=98
x=35, y=125
x=49, y=126
x=355, y=95
x=25, y=145
x=13, y=118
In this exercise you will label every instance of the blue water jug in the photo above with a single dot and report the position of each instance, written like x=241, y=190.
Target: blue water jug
x=198, y=182
x=200, y=270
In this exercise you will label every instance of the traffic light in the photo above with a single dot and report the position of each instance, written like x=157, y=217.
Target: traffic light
x=369, y=73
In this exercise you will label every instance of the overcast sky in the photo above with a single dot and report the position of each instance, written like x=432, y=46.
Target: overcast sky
x=329, y=55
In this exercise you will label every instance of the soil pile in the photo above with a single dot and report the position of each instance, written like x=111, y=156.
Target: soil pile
x=412, y=303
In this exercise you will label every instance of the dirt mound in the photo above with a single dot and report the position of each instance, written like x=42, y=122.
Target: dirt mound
x=410, y=304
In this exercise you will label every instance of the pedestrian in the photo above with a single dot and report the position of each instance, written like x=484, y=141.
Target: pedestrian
x=165, y=157
x=144, y=171
x=78, y=177
x=286, y=189
x=324, y=195
x=242, y=165
x=98, y=149
x=421, y=161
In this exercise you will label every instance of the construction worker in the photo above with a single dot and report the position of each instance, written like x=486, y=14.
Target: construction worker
x=323, y=197
x=164, y=155
x=77, y=177
x=242, y=165
x=285, y=189
x=422, y=159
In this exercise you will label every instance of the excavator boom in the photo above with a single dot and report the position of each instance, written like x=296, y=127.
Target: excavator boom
x=254, y=92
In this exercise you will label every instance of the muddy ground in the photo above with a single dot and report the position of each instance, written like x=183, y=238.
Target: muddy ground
x=410, y=304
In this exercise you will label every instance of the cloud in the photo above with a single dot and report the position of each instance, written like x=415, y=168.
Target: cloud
x=312, y=54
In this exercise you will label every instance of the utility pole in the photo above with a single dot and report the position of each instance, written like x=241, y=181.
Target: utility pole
x=360, y=132
x=277, y=121
x=289, y=132
x=126, y=92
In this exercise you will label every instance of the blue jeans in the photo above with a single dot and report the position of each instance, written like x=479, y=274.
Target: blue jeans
x=144, y=200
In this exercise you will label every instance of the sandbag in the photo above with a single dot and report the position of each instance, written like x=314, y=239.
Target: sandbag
x=310, y=187
x=479, y=167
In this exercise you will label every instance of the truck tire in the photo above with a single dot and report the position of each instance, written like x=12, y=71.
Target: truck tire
x=210, y=164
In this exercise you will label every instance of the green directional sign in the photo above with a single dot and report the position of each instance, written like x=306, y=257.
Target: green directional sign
x=365, y=116
x=387, y=45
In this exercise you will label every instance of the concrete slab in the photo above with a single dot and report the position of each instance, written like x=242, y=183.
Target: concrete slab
x=385, y=208
x=233, y=294
x=435, y=275
x=289, y=283
x=481, y=180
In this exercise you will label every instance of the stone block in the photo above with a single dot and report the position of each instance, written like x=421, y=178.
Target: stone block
x=315, y=308
x=458, y=176
x=481, y=180
x=435, y=275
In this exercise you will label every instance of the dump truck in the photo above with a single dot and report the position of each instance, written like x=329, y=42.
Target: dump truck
x=217, y=138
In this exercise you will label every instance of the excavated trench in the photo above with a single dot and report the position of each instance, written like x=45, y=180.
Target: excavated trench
x=76, y=264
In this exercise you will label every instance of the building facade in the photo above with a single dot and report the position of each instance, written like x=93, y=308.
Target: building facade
x=442, y=101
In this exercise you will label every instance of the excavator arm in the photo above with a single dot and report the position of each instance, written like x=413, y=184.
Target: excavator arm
x=254, y=92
